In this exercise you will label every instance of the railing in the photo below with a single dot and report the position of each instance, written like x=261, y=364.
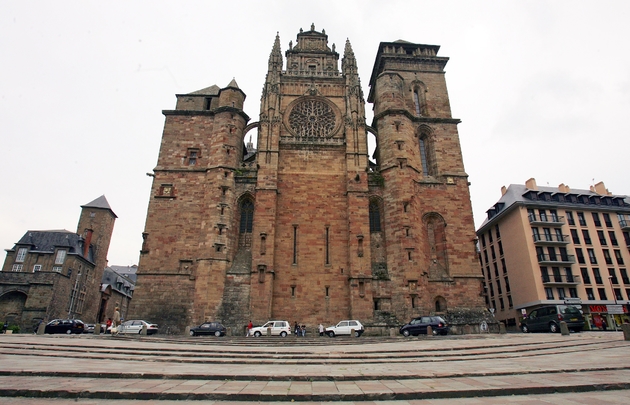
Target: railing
x=625, y=225
x=551, y=239
x=560, y=279
x=545, y=258
x=545, y=219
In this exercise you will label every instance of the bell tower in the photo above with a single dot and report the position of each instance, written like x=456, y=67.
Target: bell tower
x=426, y=201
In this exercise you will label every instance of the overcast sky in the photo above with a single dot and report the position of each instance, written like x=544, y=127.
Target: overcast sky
x=542, y=89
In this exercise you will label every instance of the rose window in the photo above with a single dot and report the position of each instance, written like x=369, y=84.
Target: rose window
x=312, y=118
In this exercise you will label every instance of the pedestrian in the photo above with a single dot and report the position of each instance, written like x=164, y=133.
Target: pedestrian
x=303, y=330
x=321, y=330
x=296, y=329
x=604, y=324
x=250, y=325
x=116, y=321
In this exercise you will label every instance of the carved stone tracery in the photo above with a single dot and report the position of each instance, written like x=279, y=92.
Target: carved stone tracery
x=312, y=118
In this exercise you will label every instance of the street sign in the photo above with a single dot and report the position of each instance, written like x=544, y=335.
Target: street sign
x=615, y=309
x=572, y=301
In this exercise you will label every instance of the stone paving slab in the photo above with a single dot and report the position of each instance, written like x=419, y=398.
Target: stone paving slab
x=359, y=390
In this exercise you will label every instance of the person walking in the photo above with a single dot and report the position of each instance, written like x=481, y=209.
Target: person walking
x=116, y=321
x=321, y=330
x=296, y=329
x=250, y=325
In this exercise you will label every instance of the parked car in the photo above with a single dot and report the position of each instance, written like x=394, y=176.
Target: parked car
x=418, y=326
x=135, y=327
x=89, y=328
x=345, y=328
x=208, y=328
x=278, y=328
x=548, y=318
x=67, y=326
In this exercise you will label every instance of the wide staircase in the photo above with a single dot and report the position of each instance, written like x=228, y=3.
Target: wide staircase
x=161, y=368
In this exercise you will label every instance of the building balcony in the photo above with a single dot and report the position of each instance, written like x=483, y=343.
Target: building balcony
x=551, y=239
x=549, y=220
x=560, y=279
x=625, y=224
x=556, y=259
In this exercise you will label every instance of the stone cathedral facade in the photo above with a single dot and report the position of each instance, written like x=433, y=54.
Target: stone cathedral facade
x=308, y=227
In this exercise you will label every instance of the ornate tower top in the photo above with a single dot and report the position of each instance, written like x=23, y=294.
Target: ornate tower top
x=311, y=55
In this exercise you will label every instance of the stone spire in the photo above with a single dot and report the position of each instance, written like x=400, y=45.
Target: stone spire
x=349, y=62
x=275, y=58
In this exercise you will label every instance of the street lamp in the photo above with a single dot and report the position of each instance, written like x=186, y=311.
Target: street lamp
x=610, y=279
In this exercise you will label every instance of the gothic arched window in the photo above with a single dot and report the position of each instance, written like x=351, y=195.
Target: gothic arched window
x=427, y=152
x=247, y=215
x=375, y=216
x=419, y=99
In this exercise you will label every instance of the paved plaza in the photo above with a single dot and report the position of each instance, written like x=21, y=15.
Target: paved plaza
x=583, y=368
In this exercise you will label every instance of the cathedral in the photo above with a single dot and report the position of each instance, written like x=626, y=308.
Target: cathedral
x=308, y=226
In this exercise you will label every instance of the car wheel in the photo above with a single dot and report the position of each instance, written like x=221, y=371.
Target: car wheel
x=331, y=334
x=356, y=333
x=69, y=332
x=406, y=333
x=217, y=333
x=553, y=328
x=192, y=333
x=283, y=334
x=257, y=334
x=525, y=329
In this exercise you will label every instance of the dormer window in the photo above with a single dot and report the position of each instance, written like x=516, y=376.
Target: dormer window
x=61, y=257
x=21, y=255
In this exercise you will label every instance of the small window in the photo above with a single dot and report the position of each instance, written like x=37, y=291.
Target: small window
x=17, y=267
x=21, y=255
x=57, y=269
x=37, y=267
x=191, y=156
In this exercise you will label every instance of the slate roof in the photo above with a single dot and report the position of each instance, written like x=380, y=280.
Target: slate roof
x=208, y=91
x=100, y=202
x=48, y=241
x=516, y=194
x=112, y=277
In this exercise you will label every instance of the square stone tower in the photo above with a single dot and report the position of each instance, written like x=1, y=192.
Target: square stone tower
x=306, y=228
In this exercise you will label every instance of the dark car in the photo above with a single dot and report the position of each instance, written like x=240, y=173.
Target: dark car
x=548, y=318
x=418, y=326
x=208, y=328
x=67, y=326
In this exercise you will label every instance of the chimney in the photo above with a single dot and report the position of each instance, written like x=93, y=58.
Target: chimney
x=531, y=184
x=562, y=188
x=88, y=241
x=503, y=190
x=601, y=189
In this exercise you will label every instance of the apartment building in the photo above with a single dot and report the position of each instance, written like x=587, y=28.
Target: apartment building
x=555, y=245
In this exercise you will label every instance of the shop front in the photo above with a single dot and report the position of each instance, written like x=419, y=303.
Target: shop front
x=605, y=317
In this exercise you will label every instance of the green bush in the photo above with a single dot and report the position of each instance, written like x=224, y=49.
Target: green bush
x=14, y=328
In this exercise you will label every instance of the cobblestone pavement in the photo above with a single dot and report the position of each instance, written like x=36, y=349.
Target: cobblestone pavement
x=584, y=368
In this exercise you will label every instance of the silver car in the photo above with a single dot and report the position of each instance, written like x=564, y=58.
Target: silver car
x=277, y=328
x=346, y=328
x=135, y=327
